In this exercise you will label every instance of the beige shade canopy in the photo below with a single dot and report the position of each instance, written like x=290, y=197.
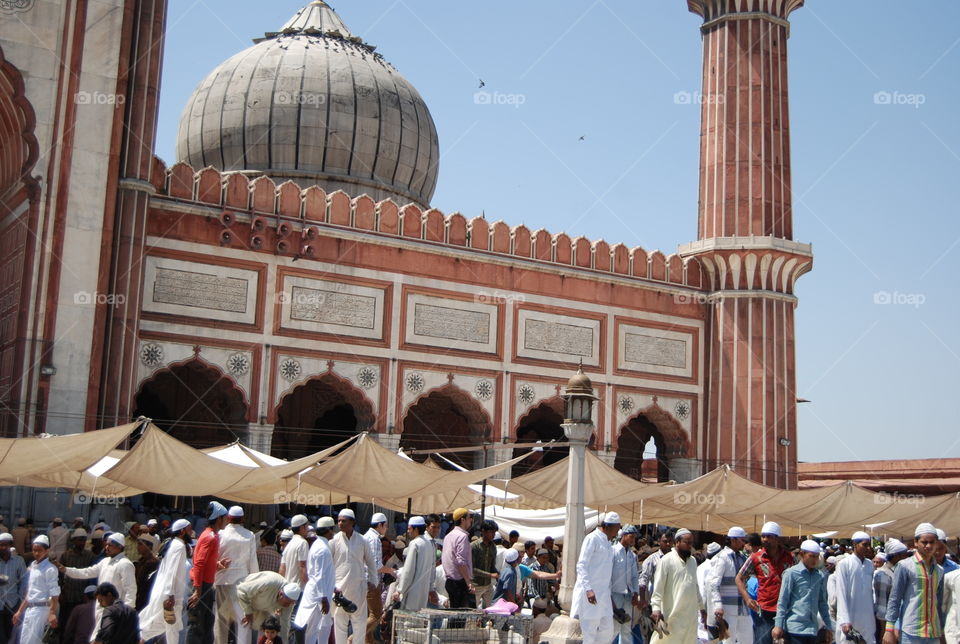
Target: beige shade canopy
x=21, y=457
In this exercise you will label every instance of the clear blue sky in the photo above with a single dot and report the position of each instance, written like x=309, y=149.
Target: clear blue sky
x=875, y=185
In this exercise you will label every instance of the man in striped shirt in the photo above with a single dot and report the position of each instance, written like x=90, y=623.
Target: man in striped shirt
x=913, y=610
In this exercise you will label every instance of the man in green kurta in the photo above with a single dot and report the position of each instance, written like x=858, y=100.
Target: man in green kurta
x=676, y=596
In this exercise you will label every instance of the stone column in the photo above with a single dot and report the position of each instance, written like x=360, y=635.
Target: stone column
x=565, y=629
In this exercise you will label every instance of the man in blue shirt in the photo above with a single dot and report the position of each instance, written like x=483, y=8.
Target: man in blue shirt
x=803, y=596
x=512, y=575
x=940, y=553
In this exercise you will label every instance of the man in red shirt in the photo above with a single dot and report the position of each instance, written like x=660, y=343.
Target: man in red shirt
x=206, y=562
x=767, y=565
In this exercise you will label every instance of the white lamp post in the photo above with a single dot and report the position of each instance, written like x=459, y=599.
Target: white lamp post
x=578, y=428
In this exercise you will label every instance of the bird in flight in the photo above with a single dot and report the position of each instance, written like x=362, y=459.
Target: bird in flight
x=482, y=84
x=582, y=138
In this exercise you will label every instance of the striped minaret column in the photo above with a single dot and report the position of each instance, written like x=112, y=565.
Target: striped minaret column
x=745, y=240
x=124, y=231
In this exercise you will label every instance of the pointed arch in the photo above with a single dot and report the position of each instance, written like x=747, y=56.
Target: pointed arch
x=444, y=417
x=194, y=402
x=541, y=422
x=670, y=439
x=318, y=413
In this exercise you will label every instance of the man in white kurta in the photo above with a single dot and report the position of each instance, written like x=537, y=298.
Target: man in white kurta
x=724, y=596
x=592, y=602
x=114, y=569
x=417, y=583
x=239, y=545
x=169, y=587
x=625, y=581
x=854, y=590
x=704, y=571
x=353, y=563
x=951, y=606
x=676, y=596
x=41, y=603
x=314, y=616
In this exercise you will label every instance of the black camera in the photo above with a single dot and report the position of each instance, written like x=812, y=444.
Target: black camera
x=621, y=615
x=344, y=603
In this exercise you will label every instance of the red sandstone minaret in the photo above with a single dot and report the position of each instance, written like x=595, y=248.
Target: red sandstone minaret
x=745, y=239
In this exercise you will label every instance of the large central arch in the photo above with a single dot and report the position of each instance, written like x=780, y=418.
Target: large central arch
x=669, y=440
x=195, y=403
x=447, y=417
x=320, y=413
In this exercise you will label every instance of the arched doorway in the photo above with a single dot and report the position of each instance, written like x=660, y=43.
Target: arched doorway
x=19, y=198
x=318, y=414
x=647, y=443
x=541, y=423
x=443, y=418
x=195, y=403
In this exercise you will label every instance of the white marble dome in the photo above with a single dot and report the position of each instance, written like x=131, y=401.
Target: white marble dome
x=314, y=103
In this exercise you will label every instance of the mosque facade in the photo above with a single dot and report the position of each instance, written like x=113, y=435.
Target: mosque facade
x=285, y=281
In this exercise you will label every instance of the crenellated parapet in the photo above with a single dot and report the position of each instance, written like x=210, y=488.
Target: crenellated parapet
x=287, y=219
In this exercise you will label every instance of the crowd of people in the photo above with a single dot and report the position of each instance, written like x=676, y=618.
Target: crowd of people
x=310, y=581
x=757, y=589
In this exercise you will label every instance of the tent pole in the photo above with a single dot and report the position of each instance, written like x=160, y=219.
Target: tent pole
x=483, y=489
x=409, y=507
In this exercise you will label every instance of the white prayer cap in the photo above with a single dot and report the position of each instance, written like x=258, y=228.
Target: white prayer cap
x=379, y=517
x=894, y=547
x=736, y=532
x=79, y=532
x=680, y=533
x=925, y=528
x=831, y=560
x=116, y=538
x=346, y=513
x=235, y=511
x=860, y=536
x=42, y=540
x=880, y=556
x=511, y=555
x=90, y=590
x=771, y=527
x=941, y=535
x=612, y=518
x=291, y=591
x=6, y=537
x=416, y=522
x=179, y=525
x=298, y=520
x=286, y=535
x=152, y=522
x=325, y=522
x=713, y=548
x=810, y=546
